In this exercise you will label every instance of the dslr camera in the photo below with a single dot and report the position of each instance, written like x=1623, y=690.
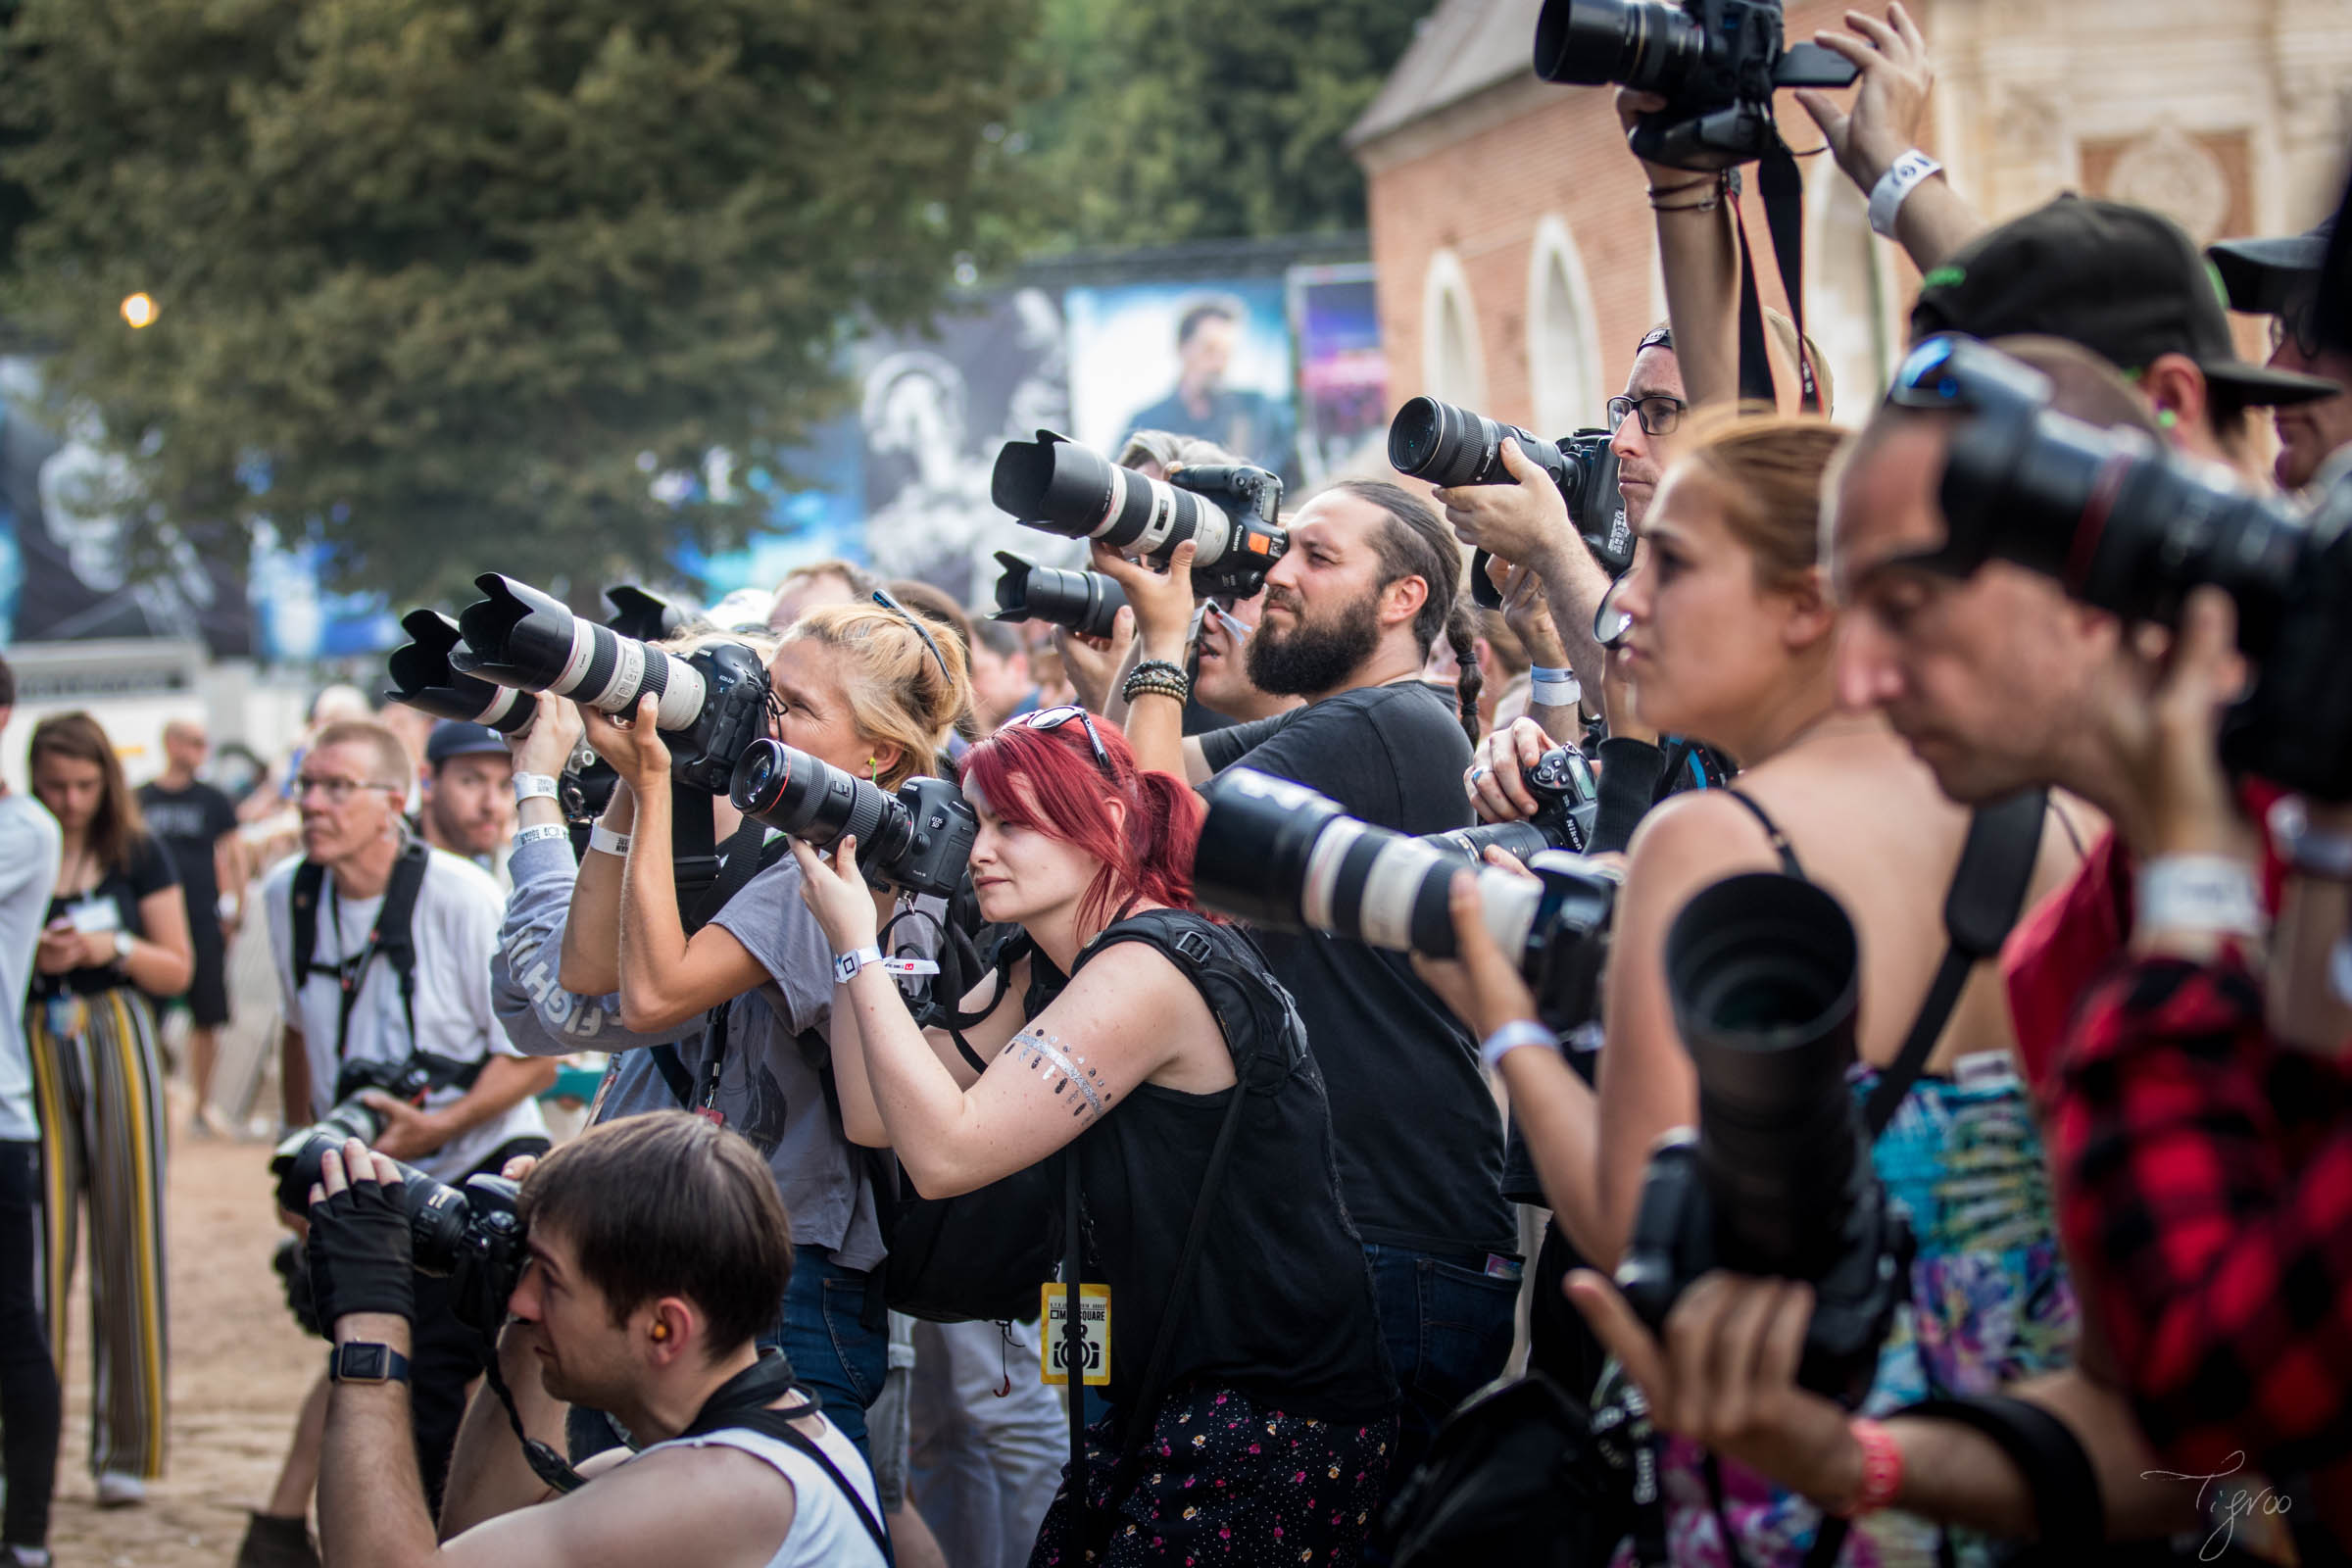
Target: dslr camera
x=1777, y=1180
x=917, y=840
x=1445, y=445
x=713, y=702
x=2130, y=527
x=1277, y=854
x=470, y=1234
x=1085, y=602
x=1228, y=511
x=1716, y=63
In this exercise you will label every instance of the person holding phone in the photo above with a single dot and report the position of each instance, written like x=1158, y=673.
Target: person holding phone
x=116, y=934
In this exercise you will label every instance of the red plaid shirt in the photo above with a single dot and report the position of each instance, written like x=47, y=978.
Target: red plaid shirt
x=2205, y=1179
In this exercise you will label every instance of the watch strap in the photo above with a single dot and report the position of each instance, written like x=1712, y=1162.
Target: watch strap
x=366, y=1361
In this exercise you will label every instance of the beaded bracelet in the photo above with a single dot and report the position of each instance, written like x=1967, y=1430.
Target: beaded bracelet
x=1155, y=675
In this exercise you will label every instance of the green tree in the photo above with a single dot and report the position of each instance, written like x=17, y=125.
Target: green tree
x=443, y=279
x=1180, y=119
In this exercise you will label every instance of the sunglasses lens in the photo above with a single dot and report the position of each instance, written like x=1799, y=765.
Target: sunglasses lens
x=1609, y=623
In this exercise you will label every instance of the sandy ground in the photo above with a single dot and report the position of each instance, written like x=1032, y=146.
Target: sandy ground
x=239, y=1370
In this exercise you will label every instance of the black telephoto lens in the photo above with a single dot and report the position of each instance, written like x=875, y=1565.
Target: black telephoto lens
x=1761, y=971
x=423, y=678
x=1085, y=602
x=816, y=803
x=1445, y=445
x=1631, y=43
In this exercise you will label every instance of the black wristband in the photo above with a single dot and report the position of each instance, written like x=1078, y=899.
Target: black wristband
x=359, y=1253
x=1628, y=784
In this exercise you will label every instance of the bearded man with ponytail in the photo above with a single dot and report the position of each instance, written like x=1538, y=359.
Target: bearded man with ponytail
x=1352, y=610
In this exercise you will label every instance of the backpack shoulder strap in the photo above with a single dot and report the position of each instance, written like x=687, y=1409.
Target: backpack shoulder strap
x=1988, y=893
x=309, y=879
x=1242, y=994
x=395, y=925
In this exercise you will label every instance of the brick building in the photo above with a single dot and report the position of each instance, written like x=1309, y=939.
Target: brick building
x=1517, y=255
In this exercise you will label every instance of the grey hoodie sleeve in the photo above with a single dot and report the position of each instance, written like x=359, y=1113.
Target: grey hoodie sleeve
x=541, y=1018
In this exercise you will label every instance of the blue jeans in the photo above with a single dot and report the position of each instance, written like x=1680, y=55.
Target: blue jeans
x=833, y=1354
x=1448, y=1332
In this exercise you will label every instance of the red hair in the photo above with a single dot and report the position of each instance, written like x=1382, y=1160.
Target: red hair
x=1069, y=798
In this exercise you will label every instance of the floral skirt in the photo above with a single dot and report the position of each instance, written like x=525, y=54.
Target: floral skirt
x=1225, y=1478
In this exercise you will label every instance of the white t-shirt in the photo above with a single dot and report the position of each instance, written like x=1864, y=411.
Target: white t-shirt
x=825, y=1532
x=455, y=930
x=28, y=855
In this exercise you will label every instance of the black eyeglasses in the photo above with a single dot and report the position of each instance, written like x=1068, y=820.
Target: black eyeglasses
x=1659, y=414
x=1052, y=718
x=882, y=597
x=2298, y=319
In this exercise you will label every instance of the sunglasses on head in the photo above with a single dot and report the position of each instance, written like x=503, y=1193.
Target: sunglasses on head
x=1052, y=718
x=882, y=597
x=1963, y=376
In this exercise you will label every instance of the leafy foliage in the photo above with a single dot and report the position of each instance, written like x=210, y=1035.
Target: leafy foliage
x=442, y=278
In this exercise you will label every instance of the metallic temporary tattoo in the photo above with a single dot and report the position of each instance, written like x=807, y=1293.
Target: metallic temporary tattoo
x=1042, y=1051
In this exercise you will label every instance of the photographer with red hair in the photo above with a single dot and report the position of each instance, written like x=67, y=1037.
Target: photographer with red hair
x=1148, y=1042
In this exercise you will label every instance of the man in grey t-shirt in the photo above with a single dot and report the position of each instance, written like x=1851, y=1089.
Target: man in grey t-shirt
x=30, y=849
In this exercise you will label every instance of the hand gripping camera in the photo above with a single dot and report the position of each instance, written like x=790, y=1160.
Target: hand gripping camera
x=1777, y=1180
x=917, y=840
x=1445, y=446
x=1228, y=512
x=1717, y=63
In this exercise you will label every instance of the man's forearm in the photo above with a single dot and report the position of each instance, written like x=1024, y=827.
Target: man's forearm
x=505, y=1083
x=1154, y=726
x=2305, y=1009
x=1934, y=222
x=487, y=1473
x=371, y=1512
x=1573, y=587
x=1699, y=261
x=653, y=938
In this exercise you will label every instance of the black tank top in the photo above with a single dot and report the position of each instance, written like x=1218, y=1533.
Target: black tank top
x=1281, y=1301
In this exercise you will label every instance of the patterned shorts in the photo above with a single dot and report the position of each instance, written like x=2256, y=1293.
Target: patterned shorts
x=1225, y=1478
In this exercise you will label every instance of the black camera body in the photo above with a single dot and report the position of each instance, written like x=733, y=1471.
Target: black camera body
x=1085, y=602
x=470, y=1234
x=733, y=714
x=1448, y=446
x=917, y=840
x=2129, y=527
x=1762, y=971
x=1228, y=513
x=1567, y=799
x=1716, y=63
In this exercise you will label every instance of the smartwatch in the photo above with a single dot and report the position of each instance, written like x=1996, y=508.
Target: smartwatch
x=366, y=1361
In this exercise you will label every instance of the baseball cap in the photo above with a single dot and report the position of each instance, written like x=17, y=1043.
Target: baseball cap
x=2121, y=280
x=454, y=737
x=2264, y=276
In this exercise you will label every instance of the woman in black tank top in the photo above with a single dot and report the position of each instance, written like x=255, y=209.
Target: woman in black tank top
x=1270, y=1435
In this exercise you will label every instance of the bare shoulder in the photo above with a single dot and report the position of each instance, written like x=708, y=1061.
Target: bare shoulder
x=1697, y=831
x=710, y=1505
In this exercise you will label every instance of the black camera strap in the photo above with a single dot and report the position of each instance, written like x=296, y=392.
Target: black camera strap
x=1783, y=187
x=391, y=938
x=748, y=1400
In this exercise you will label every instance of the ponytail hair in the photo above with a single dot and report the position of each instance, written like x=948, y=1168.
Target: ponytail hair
x=1050, y=782
x=899, y=694
x=1461, y=636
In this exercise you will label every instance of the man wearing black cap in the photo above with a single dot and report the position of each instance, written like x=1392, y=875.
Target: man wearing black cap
x=2127, y=284
x=468, y=783
x=2280, y=277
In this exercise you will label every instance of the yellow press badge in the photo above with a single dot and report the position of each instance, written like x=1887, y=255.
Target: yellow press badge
x=1094, y=1321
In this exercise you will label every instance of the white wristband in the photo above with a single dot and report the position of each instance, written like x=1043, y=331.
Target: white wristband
x=1553, y=688
x=533, y=787
x=542, y=830
x=1510, y=1037
x=847, y=965
x=2200, y=893
x=1894, y=188
x=602, y=840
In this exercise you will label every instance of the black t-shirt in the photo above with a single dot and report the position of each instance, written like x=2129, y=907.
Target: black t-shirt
x=1420, y=1141
x=190, y=822
x=147, y=870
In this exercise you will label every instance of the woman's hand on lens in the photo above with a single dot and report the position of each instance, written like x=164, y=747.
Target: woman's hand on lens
x=1497, y=790
x=1163, y=602
x=634, y=750
x=1887, y=112
x=1093, y=662
x=1726, y=1376
x=1479, y=982
x=1525, y=523
x=836, y=892
x=2161, y=726
x=547, y=745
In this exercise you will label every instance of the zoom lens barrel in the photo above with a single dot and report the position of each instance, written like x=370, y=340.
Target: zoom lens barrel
x=423, y=678
x=1085, y=602
x=816, y=803
x=1445, y=445
x=1631, y=43
x=519, y=636
x=1762, y=973
x=1054, y=484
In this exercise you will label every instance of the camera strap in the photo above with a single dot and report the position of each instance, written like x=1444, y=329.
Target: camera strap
x=1783, y=187
x=392, y=938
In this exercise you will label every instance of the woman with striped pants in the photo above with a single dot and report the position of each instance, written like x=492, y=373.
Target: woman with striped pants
x=117, y=933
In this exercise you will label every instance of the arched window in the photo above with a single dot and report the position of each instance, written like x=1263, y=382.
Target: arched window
x=1452, y=369
x=1563, y=352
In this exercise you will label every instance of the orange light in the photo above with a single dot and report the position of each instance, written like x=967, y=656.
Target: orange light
x=138, y=310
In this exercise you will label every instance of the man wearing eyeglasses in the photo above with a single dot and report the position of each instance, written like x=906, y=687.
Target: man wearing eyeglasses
x=351, y=1010
x=2280, y=277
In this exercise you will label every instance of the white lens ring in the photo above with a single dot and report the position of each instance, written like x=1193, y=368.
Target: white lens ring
x=1116, y=506
x=1323, y=871
x=583, y=656
x=1386, y=915
x=682, y=696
